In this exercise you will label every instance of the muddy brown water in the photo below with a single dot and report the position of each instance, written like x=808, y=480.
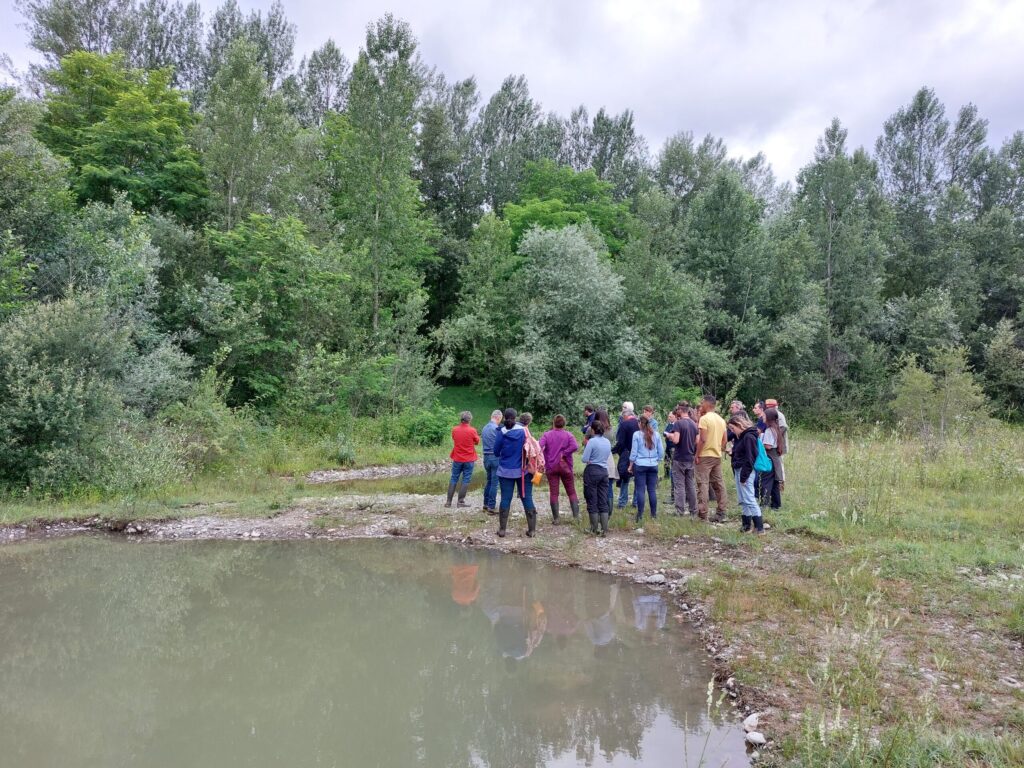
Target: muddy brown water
x=350, y=653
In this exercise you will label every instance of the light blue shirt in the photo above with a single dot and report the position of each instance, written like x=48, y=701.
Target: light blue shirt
x=597, y=451
x=642, y=456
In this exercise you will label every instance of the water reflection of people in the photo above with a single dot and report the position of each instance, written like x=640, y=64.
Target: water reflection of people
x=519, y=629
x=465, y=584
x=650, y=611
x=601, y=629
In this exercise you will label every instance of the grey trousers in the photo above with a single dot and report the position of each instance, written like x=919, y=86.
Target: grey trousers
x=685, y=488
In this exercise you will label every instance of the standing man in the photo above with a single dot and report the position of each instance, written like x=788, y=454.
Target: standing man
x=710, y=445
x=628, y=426
x=683, y=435
x=487, y=435
x=463, y=456
x=589, y=414
x=669, y=450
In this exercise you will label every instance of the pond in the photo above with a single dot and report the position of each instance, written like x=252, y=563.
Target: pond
x=354, y=653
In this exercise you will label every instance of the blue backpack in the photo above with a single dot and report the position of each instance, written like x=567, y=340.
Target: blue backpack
x=763, y=463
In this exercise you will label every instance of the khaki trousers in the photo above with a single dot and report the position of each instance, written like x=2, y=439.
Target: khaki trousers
x=709, y=474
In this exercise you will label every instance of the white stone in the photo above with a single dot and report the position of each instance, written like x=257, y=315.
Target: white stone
x=756, y=738
x=656, y=578
x=752, y=721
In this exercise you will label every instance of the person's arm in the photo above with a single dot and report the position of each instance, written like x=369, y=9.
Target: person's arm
x=661, y=447
x=748, y=460
x=588, y=451
x=674, y=435
x=724, y=438
x=634, y=449
x=499, y=438
x=476, y=437
x=701, y=434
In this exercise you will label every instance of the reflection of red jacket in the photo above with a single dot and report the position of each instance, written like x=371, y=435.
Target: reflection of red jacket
x=465, y=439
x=465, y=587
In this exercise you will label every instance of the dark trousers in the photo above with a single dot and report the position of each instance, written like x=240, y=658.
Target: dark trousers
x=769, y=493
x=523, y=487
x=685, y=487
x=596, y=490
x=646, y=485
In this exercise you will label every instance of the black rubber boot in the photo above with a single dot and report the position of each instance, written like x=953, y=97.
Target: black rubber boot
x=759, y=524
x=463, y=490
x=554, y=512
x=604, y=523
x=531, y=523
x=451, y=492
x=502, y=521
x=575, y=507
x=746, y=523
x=594, y=522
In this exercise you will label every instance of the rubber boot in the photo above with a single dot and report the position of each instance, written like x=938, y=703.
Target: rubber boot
x=462, y=495
x=554, y=512
x=574, y=505
x=604, y=523
x=451, y=492
x=594, y=522
x=531, y=523
x=759, y=524
x=502, y=521
x=746, y=523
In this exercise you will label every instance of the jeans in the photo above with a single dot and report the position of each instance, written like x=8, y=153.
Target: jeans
x=709, y=474
x=463, y=468
x=596, y=490
x=510, y=485
x=623, y=483
x=561, y=472
x=491, y=486
x=745, y=494
x=646, y=484
x=685, y=487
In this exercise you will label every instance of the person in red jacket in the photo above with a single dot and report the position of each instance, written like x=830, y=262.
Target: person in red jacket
x=465, y=440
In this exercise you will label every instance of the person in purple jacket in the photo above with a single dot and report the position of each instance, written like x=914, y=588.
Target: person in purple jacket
x=559, y=445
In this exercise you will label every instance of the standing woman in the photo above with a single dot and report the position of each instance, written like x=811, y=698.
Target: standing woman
x=559, y=445
x=772, y=482
x=744, y=454
x=646, y=453
x=596, y=488
x=512, y=477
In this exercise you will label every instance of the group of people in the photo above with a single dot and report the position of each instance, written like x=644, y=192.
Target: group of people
x=692, y=446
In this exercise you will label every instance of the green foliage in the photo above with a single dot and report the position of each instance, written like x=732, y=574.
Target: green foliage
x=553, y=197
x=123, y=130
x=14, y=274
x=1004, y=370
x=945, y=401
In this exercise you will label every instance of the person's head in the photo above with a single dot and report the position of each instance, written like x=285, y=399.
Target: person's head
x=707, y=404
x=648, y=433
x=671, y=417
x=466, y=417
x=681, y=412
x=694, y=414
x=602, y=416
x=510, y=418
x=525, y=418
x=559, y=421
x=759, y=409
x=627, y=408
x=771, y=402
x=737, y=406
x=684, y=404
x=649, y=411
x=588, y=409
x=496, y=416
x=771, y=417
x=738, y=423
x=597, y=428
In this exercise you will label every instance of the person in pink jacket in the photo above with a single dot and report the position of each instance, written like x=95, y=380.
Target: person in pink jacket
x=559, y=445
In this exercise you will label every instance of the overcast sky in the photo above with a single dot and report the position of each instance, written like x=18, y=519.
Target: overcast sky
x=764, y=75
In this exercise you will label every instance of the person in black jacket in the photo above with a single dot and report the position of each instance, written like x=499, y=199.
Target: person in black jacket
x=628, y=425
x=744, y=454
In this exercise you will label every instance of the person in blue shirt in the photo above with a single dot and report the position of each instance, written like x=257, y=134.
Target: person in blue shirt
x=487, y=437
x=595, y=478
x=645, y=455
x=512, y=475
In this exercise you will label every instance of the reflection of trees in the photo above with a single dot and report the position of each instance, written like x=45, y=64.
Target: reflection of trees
x=354, y=653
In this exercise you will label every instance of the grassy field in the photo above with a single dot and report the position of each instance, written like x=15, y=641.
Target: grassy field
x=882, y=614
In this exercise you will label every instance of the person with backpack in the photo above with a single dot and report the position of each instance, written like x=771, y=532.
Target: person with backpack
x=744, y=456
x=463, y=456
x=771, y=482
x=558, y=445
x=596, y=457
x=510, y=448
x=645, y=455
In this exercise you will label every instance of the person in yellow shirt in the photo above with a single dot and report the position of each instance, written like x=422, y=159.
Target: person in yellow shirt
x=711, y=438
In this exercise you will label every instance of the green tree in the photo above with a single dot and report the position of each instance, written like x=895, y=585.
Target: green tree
x=1004, y=369
x=684, y=169
x=248, y=139
x=14, y=275
x=321, y=85
x=554, y=197
x=371, y=151
x=506, y=140
x=947, y=400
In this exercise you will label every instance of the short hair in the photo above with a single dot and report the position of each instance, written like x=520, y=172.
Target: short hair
x=588, y=408
x=681, y=411
x=709, y=399
x=559, y=421
x=648, y=408
x=683, y=404
x=739, y=403
x=496, y=414
x=465, y=417
x=525, y=418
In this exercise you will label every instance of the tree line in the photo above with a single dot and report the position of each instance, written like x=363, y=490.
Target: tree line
x=184, y=209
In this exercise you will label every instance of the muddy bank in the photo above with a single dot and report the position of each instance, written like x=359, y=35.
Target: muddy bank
x=658, y=564
x=322, y=476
